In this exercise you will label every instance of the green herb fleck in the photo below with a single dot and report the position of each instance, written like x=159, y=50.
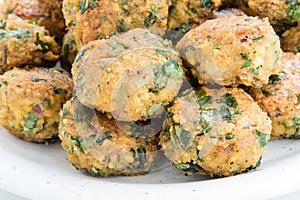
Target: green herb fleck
x=153, y=17
x=207, y=3
x=267, y=93
x=245, y=56
x=121, y=27
x=230, y=100
x=255, y=71
x=184, y=28
x=60, y=91
x=298, y=98
x=263, y=138
x=247, y=64
x=297, y=134
x=124, y=2
x=18, y=33
x=44, y=46
x=229, y=136
x=258, y=38
x=188, y=167
x=3, y=83
x=225, y=114
x=35, y=79
x=142, y=155
x=46, y=104
x=96, y=171
x=273, y=79
x=80, y=54
x=204, y=130
x=294, y=12
x=2, y=24
x=296, y=121
x=183, y=136
x=30, y=123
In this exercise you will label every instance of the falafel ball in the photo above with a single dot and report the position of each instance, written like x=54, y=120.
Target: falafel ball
x=281, y=99
x=30, y=102
x=96, y=144
x=187, y=14
x=68, y=50
x=40, y=12
x=289, y=40
x=24, y=44
x=131, y=75
x=232, y=50
x=101, y=19
x=281, y=13
x=218, y=132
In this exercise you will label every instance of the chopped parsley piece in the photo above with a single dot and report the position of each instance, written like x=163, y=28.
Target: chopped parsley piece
x=258, y=38
x=2, y=24
x=87, y=4
x=229, y=136
x=96, y=171
x=294, y=12
x=18, y=33
x=296, y=121
x=188, y=167
x=184, y=28
x=121, y=27
x=207, y=3
x=142, y=155
x=225, y=114
x=297, y=134
x=3, y=83
x=267, y=93
x=204, y=100
x=298, y=98
x=153, y=17
x=263, y=138
x=183, y=136
x=80, y=54
x=124, y=2
x=273, y=79
x=247, y=64
x=46, y=104
x=44, y=46
x=205, y=130
x=35, y=79
x=230, y=100
x=255, y=71
x=30, y=123
x=60, y=91
x=245, y=56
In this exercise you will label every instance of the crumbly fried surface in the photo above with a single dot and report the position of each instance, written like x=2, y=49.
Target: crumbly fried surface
x=281, y=98
x=133, y=75
x=187, y=14
x=97, y=144
x=40, y=12
x=30, y=102
x=24, y=44
x=290, y=41
x=231, y=51
x=100, y=19
x=281, y=13
x=218, y=132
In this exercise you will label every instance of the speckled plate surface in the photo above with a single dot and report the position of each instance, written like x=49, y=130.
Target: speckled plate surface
x=38, y=171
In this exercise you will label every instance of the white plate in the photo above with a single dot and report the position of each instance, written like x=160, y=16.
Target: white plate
x=38, y=171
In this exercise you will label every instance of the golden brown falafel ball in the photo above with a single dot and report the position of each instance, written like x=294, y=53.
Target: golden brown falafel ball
x=25, y=44
x=281, y=13
x=290, y=40
x=232, y=50
x=98, y=145
x=30, y=102
x=101, y=19
x=218, y=132
x=281, y=98
x=40, y=12
x=133, y=75
x=187, y=14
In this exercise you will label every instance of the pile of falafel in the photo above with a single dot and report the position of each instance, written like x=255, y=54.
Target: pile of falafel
x=208, y=82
